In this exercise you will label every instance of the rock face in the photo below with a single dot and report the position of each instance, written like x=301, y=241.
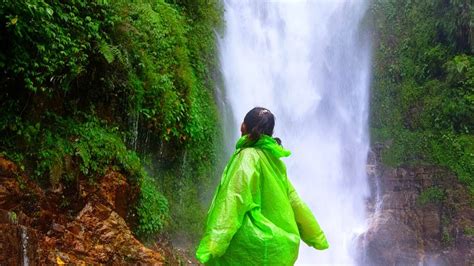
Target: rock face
x=44, y=228
x=410, y=227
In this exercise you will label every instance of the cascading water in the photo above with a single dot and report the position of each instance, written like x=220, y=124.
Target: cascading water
x=24, y=246
x=308, y=62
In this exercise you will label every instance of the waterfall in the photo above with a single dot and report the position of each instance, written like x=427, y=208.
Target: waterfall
x=24, y=246
x=309, y=63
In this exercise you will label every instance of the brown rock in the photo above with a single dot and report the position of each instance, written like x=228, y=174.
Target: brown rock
x=7, y=168
x=40, y=234
x=75, y=228
x=49, y=242
x=78, y=247
x=431, y=222
x=404, y=232
x=113, y=235
x=114, y=189
x=18, y=245
x=9, y=193
x=58, y=228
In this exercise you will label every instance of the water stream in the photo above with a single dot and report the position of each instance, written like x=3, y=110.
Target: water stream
x=309, y=63
x=24, y=246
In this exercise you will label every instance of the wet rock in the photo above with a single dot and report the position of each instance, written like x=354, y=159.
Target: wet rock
x=34, y=230
x=18, y=245
x=9, y=193
x=403, y=231
x=58, y=228
x=7, y=168
x=115, y=190
x=76, y=229
x=431, y=222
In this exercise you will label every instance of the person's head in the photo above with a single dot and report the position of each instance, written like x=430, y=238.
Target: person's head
x=258, y=121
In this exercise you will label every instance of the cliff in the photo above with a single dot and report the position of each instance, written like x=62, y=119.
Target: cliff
x=419, y=215
x=40, y=227
x=421, y=165
x=100, y=98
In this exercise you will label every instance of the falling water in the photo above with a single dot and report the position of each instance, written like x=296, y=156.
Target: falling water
x=24, y=246
x=308, y=62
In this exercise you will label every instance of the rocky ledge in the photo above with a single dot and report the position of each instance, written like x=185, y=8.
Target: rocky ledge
x=39, y=227
x=420, y=215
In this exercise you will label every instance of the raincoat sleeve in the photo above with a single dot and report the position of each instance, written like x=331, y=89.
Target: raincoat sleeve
x=310, y=231
x=233, y=198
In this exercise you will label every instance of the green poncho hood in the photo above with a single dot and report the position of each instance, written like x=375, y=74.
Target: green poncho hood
x=256, y=216
x=265, y=142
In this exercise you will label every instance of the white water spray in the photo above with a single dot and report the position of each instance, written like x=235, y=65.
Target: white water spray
x=308, y=62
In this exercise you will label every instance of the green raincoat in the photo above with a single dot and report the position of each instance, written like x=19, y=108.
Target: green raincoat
x=256, y=216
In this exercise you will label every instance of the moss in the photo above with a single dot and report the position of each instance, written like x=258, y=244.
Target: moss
x=421, y=102
x=431, y=195
x=469, y=231
x=138, y=84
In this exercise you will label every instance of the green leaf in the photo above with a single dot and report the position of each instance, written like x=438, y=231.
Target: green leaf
x=13, y=21
x=107, y=52
x=49, y=11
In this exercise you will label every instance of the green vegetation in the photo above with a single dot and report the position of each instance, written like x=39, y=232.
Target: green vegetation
x=431, y=195
x=51, y=147
x=51, y=41
x=12, y=217
x=469, y=231
x=447, y=238
x=88, y=86
x=423, y=94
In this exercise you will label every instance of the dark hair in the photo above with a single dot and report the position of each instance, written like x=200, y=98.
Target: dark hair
x=260, y=121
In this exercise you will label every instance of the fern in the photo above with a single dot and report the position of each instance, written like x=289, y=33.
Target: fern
x=111, y=52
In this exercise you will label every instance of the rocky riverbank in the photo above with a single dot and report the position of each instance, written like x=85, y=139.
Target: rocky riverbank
x=419, y=214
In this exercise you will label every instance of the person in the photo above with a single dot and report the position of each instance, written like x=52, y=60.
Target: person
x=256, y=217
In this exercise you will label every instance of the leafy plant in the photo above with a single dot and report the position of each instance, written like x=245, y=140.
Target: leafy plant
x=52, y=41
x=93, y=85
x=151, y=209
x=422, y=97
